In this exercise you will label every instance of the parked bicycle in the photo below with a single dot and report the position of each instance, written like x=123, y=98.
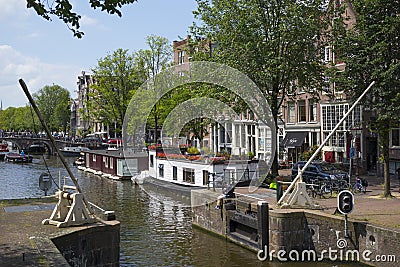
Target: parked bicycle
x=319, y=187
x=340, y=185
x=360, y=185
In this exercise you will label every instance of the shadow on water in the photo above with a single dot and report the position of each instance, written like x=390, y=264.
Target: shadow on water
x=153, y=233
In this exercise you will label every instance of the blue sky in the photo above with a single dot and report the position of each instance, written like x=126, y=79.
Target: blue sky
x=45, y=53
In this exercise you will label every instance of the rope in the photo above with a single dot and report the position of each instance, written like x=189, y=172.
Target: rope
x=44, y=160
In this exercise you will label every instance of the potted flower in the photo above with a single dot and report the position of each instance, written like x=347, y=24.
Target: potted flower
x=250, y=154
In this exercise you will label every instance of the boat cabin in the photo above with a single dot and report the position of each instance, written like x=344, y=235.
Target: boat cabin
x=113, y=164
x=201, y=171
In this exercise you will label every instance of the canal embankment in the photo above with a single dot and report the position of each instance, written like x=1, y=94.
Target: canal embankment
x=25, y=241
x=372, y=236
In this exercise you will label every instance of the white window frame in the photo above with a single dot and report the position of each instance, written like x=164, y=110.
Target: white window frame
x=327, y=54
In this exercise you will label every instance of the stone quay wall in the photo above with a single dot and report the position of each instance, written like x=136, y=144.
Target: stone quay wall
x=299, y=234
x=93, y=245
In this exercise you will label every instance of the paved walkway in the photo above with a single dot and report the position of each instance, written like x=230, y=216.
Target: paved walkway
x=24, y=241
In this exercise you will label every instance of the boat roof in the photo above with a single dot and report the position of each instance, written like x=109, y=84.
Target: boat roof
x=117, y=153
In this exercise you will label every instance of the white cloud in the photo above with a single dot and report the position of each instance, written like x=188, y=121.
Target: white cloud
x=36, y=74
x=86, y=21
x=12, y=9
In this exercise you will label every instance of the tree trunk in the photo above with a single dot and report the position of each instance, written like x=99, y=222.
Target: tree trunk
x=274, y=169
x=384, y=143
x=386, y=179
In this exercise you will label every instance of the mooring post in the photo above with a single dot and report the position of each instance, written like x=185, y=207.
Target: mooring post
x=263, y=226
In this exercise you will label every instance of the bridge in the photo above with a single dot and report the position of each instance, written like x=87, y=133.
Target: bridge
x=23, y=143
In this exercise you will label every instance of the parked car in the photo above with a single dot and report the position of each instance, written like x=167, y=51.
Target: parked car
x=319, y=169
x=91, y=139
x=114, y=141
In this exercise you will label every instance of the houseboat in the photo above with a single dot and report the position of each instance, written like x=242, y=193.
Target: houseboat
x=113, y=164
x=3, y=150
x=202, y=171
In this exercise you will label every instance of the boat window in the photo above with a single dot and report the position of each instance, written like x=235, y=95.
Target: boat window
x=151, y=160
x=188, y=175
x=174, y=172
x=206, y=175
x=94, y=157
x=161, y=170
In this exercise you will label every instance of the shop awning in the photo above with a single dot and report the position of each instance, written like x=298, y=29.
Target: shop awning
x=294, y=139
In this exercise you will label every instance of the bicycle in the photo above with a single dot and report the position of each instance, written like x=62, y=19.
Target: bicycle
x=340, y=185
x=360, y=185
x=320, y=188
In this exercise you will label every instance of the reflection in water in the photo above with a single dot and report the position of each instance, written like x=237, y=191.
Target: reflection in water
x=153, y=233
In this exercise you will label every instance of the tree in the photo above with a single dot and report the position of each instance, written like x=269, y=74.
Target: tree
x=54, y=104
x=18, y=119
x=116, y=77
x=156, y=58
x=371, y=51
x=275, y=43
x=62, y=9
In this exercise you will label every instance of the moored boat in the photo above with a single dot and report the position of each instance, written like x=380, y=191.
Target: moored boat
x=202, y=171
x=79, y=161
x=3, y=150
x=36, y=149
x=18, y=158
x=73, y=151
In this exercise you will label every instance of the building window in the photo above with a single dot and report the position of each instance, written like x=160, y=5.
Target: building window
x=161, y=170
x=181, y=57
x=314, y=139
x=237, y=135
x=301, y=111
x=188, y=175
x=312, y=111
x=327, y=54
x=326, y=85
x=174, y=173
x=395, y=137
x=291, y=112
x=261, y=139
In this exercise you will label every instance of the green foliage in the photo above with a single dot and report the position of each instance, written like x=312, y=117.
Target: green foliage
x=54, y=105
x=117, y=77
x=307, y=154
x=62, y=9
x=193, y=150
x=371, y=51
x=156, y=58
x=18, y=119
x=276, y=43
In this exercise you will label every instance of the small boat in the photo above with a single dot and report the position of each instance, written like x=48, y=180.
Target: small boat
x=18, y=158
x=73, y=151
x=3, y=150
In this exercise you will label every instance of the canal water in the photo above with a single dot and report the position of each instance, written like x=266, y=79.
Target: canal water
x=153, y=233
